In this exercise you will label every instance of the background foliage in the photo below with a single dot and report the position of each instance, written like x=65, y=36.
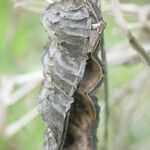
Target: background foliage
x=22, y=39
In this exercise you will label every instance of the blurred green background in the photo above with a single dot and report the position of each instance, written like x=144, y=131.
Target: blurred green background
x=22, y=39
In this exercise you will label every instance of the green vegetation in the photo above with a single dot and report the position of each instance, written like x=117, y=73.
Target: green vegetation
x=22, y=39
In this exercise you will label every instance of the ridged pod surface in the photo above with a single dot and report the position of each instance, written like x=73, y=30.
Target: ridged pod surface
x=72, y=73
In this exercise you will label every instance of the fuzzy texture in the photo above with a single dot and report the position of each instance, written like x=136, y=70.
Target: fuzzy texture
x=72, y=73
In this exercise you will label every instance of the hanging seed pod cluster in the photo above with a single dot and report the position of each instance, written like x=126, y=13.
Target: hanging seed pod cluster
x=72, y=75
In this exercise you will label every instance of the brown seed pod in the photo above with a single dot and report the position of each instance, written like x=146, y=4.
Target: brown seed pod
x=72, y=73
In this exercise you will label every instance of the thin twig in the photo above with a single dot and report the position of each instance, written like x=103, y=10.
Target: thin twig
x=106, y=95
x=123, y=54
x=21, y=92
x=23, y=78
x=106, y=91
x=133, y=87
x=127, y=8
x=18, y=125
x=129, y=108
x=33, y=6
x=123, y=24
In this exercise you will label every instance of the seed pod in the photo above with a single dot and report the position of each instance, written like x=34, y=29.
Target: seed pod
x=71, y=74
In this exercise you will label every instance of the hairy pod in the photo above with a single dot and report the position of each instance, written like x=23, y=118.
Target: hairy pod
x=72, y=73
